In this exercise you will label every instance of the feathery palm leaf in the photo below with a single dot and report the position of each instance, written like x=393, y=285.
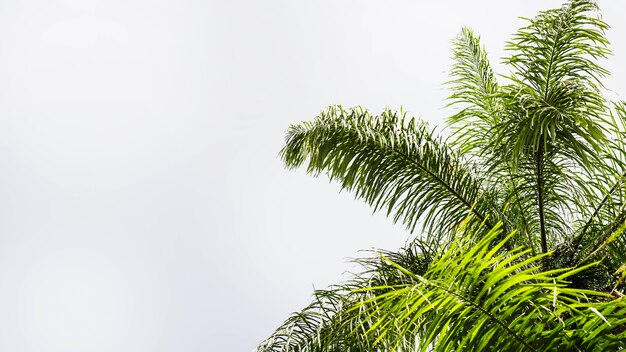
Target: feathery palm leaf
x=475, y=90
x=391, y=162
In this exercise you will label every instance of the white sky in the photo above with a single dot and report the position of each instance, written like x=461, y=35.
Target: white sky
x=142, y=203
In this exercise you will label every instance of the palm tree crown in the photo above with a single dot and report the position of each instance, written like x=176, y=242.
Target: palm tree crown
x=520, y=213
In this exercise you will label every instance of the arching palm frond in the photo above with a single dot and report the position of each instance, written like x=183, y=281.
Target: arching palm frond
x=392, y=162
x=328, y=323
x=322, y=326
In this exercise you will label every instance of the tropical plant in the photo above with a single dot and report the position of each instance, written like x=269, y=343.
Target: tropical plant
x=519, y=217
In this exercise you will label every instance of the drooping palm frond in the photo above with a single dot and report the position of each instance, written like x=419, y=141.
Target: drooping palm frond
x=328, y=324
x=319, y=327
x=393, y=163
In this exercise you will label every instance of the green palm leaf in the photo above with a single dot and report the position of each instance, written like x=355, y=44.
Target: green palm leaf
x=475, y=91
x=390, y=161
x=474, y=297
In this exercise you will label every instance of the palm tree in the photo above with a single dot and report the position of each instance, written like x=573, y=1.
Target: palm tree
x=520, y=214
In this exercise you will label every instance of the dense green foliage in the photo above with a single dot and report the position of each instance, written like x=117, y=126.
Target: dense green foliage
x=519, y=216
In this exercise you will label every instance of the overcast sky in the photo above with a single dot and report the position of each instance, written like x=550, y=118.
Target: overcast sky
x=142, y=203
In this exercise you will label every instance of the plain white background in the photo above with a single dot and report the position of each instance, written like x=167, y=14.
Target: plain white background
x=142, y=203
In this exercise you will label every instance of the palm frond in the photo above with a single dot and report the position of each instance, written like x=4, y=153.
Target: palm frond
x=557, y=81
x=328, y=324
x=475, y=297
x=474, y=90
x=393, y=163
x=316, y=328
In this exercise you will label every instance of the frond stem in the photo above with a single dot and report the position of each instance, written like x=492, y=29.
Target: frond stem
x=446, y=186
x=539, y=154
x=539, y=175
x=580, y=236
x=523, y=213
x=486, y=312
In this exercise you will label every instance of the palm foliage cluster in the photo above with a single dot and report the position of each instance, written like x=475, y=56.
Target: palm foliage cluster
x=519, y=217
